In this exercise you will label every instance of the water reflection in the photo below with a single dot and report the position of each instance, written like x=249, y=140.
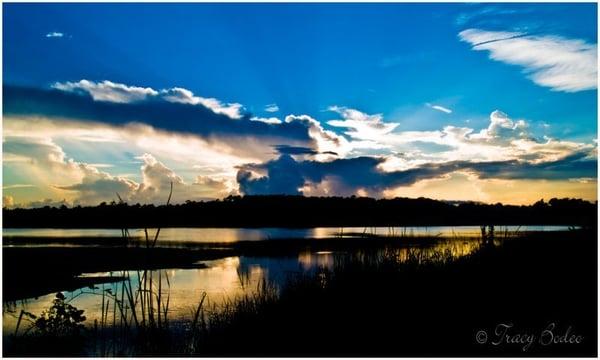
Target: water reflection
x=223, y=280
x=320, y=259
x=228, y=235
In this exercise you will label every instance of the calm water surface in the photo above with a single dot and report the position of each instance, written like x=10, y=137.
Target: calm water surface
x=226, y=235
x=227, y=278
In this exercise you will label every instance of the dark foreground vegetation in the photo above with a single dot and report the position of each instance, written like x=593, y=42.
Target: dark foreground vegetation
x=370, y=304
x=298, y=211
x=375, y=306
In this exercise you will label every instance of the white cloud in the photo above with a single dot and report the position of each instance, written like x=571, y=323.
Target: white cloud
x=556, y=62
x=104, y=141
x=49, y=169
x=30, y=145
x=184, y=96
x=209, y=187
x=362, y=126
x=97, y=186
x=439, y=108
x=488, y=11
x=503, y=139
x=107, y=90
x=272, y=108
x=155, y=187
x=155, y=175
x=81, y=183
x=502, y=127
x=102, y=165
x=55, y=34
x=271, y=120
x=325, y=141
x=17, y=186
x=121, y=93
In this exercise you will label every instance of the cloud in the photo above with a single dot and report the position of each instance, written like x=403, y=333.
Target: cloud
x=35, y=151
x=206, y=154
x=121, y=93
x=365, y=175
x=209, y=188
x=184, y=96
x=97, y=186
x=102, y=165
x=487, y=11
x=324, y=141
x=502, y=127
x=105, y=142
x=271, y=120
x=272, y=108
x=562, y=64
x=8, y=201
x=294, y=150
x=299, y=150
x=157, y=112
x=505, y=149
x=47, y=165
x=284, y=177
x=156, y=176
x=107, y=91
x=439, y=108
x=55, y=34
x=85, y=184
x=17, y=186
x=468, y=187
x=584, y=180
x=362, y=126
x=503, y=139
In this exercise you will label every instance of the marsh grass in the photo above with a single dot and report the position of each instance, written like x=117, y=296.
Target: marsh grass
x=404, y=302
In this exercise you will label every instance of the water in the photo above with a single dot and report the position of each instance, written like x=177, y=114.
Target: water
x=223, y=280
x=232, y=276
x=229, y=235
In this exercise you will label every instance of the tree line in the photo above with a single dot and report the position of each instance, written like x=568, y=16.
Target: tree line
x=299, y=211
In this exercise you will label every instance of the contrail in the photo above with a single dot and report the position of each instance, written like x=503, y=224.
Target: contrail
x=508, y=38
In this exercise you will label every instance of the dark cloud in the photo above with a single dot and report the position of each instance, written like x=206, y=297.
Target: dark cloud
x=287, y=176
x=576, y=165
x=294, y=150
x=195, y=119
x=300, y=150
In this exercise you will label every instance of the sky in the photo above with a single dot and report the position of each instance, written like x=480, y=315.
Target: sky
x=482, y=102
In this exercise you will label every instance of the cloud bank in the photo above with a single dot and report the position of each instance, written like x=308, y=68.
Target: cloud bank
x=90, y=185
x=173, y=110
x=365, y=175
x=208, y=148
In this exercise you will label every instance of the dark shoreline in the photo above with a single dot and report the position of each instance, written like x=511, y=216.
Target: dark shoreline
x=302, y=212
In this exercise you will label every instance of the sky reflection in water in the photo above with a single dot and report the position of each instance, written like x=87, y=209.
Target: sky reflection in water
x=223, y=280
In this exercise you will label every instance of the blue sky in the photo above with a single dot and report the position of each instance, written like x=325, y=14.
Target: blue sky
x=417, y=65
